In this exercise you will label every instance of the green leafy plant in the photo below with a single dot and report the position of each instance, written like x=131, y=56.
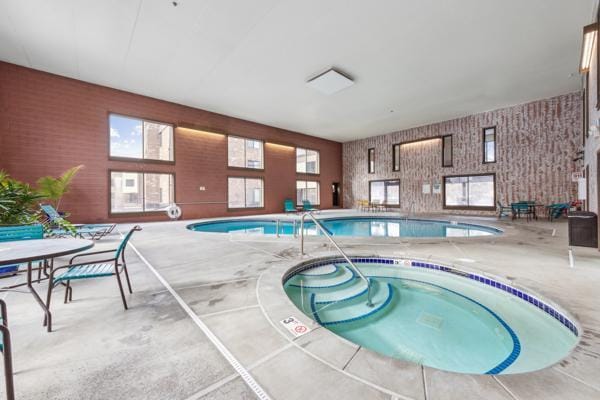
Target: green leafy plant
x=18, y=201
x=53, y=189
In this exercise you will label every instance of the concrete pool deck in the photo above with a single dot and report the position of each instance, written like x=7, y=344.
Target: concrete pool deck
x=204, y=302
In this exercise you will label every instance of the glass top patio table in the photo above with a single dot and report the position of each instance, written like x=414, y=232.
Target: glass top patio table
x=27, y=251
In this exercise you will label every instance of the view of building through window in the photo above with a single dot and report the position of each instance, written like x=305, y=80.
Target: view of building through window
x=137, y=138
x=244, y=153
x=489, y=145
x=140, y=192
x=307, y=161
x=245, y=192
x=469, y=191
x=307, y=190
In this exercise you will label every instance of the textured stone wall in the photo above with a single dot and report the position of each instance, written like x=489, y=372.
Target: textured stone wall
x=536, y=143
x=592, y=145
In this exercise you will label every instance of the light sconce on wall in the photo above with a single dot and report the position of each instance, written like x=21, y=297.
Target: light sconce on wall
x=589, y=37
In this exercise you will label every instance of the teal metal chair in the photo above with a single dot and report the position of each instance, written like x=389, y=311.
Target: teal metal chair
x=112, y=266
x=91, y=231
x=522, y=208
x=288, y=206
x=503, y=211
x=557, y=209
x=6, y=350
x=306, y=206
x=19, y=232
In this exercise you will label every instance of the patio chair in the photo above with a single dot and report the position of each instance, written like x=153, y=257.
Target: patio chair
x=363, y=205
x=288, y=206
x=503, y=211
x=112, y=266
x=556, y=210
x=6, y=350
x=306, y=206
x=91, y=231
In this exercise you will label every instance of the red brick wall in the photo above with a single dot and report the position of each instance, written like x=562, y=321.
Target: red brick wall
x=49, y=123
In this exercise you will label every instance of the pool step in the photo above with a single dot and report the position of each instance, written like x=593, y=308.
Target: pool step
x=321, y=271
x=353, y=310
x=343, y=276
x=357, y=288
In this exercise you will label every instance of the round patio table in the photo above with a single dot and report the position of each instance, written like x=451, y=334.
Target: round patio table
x=27, y=251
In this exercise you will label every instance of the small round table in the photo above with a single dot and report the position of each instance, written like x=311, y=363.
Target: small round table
x=27, y=251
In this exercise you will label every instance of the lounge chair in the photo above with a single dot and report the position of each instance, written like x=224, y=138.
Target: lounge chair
x=91, y=231
x=288, y=206
x=6, y=350
x=306, y=206
x=112, y=266
x=503, y=211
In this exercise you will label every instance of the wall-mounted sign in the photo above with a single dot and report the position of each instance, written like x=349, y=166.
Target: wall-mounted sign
x=576, y=176
x=437, y=188
x=426, y=188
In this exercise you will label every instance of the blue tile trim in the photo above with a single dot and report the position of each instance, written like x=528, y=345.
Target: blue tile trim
x=516, y=350
x=351, y=278
x=486, y=281
x=335, y=271
x=344, y=321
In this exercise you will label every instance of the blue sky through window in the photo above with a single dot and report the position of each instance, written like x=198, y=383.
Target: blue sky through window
x=125, y=137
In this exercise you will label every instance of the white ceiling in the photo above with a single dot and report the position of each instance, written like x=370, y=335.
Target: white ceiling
x=427, y=60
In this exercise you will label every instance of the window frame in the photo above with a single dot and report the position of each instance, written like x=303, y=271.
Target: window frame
x=370, y=150
x=443, y=137
x=318, y=182
x=245, y=160
x=586, y=105
x=472, y=208
x=244, y=178
x=318, y=162
x=141, y=160
x=111, y=213
x=396, y=150
x=495, y=144
x=385, y=191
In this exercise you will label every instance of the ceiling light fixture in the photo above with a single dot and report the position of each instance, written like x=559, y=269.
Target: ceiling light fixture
x=330, y=81
x=589, y=37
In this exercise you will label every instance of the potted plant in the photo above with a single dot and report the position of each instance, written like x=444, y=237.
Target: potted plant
x=53, y=189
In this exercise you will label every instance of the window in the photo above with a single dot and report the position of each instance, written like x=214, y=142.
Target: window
x=307, y=161
x=371, y=157
x=586, y=104
x=245, y=193
x=244, y=153
x=140, y=139
x=447, y=151
x=307, y=190
x=385, y=192
x=396, y=157
x=135, y=192
x=471, y=191
x=489, y=145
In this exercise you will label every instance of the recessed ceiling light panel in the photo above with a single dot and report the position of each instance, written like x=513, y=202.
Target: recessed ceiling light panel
x=330, y=82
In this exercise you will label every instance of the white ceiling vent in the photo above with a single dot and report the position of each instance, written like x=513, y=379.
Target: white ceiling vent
x=330, y=82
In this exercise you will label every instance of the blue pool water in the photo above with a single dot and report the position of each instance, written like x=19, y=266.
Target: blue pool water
x=435, y=318
x=355, y=226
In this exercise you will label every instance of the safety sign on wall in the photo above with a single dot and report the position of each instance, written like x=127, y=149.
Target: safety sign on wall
x=296, y=327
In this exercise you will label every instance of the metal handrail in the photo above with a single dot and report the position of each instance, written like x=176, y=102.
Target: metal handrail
x=328, y=236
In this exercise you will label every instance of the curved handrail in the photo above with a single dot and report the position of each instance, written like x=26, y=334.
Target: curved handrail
x=327, y=234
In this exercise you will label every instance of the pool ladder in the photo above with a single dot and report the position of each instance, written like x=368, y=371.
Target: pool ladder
x=327, y=234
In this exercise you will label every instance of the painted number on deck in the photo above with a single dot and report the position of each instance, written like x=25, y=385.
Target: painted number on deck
x=296, y=327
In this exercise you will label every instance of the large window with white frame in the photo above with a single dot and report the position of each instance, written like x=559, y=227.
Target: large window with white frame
x=136, y=138
x=137, y=192
x=245, y=192
x=470, y=192
x=245, y=153
x=307, y=190
x=307, y=161
x=385, y=192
